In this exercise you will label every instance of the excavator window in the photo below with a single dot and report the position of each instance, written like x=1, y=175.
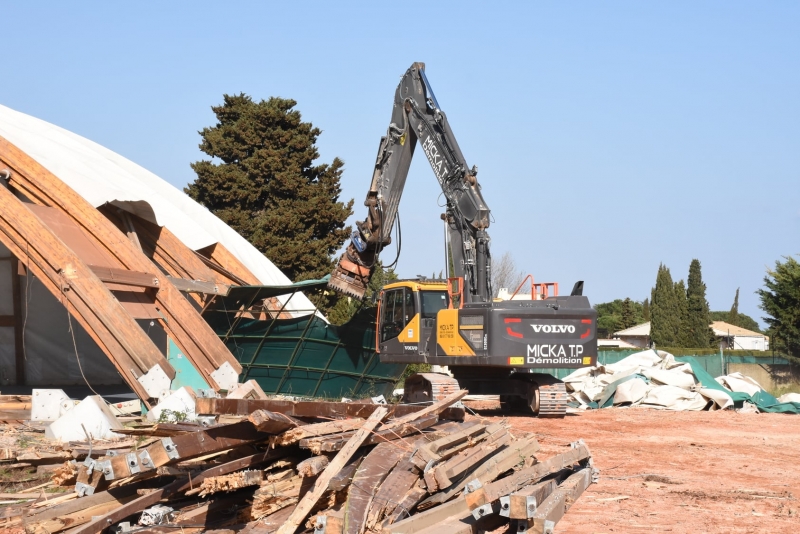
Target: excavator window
x=432, y=302
x=397, y=311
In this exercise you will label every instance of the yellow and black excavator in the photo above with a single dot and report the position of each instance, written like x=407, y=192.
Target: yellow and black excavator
x=491, y=346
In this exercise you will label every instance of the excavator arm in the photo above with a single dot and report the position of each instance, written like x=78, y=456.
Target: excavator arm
x=417, y=117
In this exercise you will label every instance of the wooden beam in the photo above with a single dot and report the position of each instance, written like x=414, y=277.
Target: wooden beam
x=137, y=505
x=125, y=277
x=553, y=508
x=310, y=499
x=19, y=341
x=324, y=409
x=73, y=284
x=220, y=255
x=199, y=286
x=183, y=324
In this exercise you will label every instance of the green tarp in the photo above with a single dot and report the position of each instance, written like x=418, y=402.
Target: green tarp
x=302, y=356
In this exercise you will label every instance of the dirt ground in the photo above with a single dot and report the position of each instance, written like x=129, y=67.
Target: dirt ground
x=716, y=472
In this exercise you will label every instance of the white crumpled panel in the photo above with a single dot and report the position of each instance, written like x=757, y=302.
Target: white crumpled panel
x=740, y=383
x=648, y=358
x=632, y=391
x=672, y=377
x=721, y=399
x=789, y=397
x=675, y=398
x=101, y=176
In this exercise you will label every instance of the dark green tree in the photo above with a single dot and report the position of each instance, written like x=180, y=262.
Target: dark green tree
x=646, y=310
x=733, y=315
x=610, y=316
x=264, y=182
x=695, y=328
x=780, y=299
x=628, y=318
x=665, y=313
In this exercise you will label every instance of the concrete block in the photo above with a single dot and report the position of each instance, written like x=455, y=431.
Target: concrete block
x=248, y=390
x=178, y=406
x=47, y=405
x=93, y=413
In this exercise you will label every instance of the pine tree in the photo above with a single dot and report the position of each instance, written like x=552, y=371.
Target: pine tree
x=664, y=311
x=697, y=331
x=733, y=316
x=267, y=187
x=780, y=299
x=646, y=310
x=628, y=319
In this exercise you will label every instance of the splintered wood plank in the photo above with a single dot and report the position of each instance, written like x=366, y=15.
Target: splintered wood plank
x=336, y=442
x=73, y=283
x=406, y=504
x=399, y=481
x=488, y=470
x=324, y=409
x=317, y=429
x=452, y=469
x=183, y=324
x=272, y=422
x=312, y=466
x=369, y=476
x=226, y=483
x=310, y=499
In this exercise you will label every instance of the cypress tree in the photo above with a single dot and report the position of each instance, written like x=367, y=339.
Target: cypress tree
x=733, y=316
x=664, y=310
x=263, y=182
x=697, y=331
x=628, y=318
x=646, y=310
x=683, y=314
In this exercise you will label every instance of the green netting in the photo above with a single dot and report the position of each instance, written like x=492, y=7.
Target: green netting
x=306, y=356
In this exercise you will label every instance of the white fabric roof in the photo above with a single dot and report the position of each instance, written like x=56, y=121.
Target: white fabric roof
x=102, y=176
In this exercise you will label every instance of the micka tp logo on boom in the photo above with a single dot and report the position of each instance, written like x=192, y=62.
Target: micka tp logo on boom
x=434, y=158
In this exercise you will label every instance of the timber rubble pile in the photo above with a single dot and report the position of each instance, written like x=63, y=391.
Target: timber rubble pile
x=286, y=466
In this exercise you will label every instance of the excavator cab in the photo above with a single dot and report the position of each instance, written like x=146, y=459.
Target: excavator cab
x=407, y=314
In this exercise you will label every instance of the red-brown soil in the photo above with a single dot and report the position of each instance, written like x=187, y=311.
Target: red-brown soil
x=661, y=471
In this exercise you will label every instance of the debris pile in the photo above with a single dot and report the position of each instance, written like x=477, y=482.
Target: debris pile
x=285, y=466
x=655, y=379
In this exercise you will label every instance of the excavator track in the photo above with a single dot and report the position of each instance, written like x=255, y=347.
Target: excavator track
x=552, y=400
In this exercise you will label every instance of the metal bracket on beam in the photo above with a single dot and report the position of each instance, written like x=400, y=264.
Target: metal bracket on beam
x=226, y=377
x=171, y=448
x=483, y=511
x=155, y=382
x=108, y=471
x=133, y=463
x=83, y=489
x=473, y=485
x=145, y=460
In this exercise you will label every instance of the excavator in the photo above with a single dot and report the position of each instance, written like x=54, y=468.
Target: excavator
x=490, y=346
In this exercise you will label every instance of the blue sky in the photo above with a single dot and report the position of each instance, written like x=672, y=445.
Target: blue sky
x=610, y=136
